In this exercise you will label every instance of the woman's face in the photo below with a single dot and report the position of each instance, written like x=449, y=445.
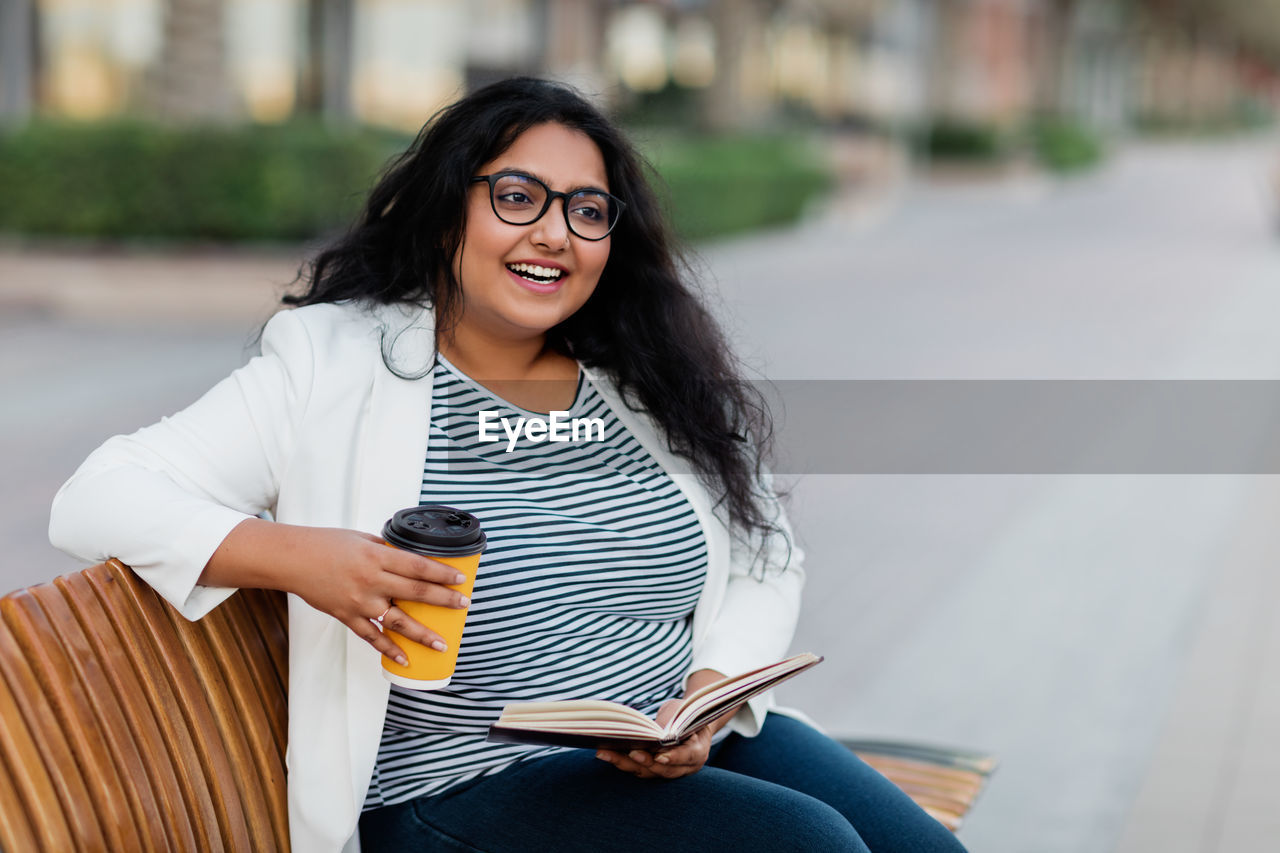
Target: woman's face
x=504, y=295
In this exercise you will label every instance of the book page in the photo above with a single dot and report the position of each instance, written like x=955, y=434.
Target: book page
x=593, y=715
x=715, y=700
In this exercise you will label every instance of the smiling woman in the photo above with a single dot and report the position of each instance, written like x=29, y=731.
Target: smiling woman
x=512, y=264
x=519, y=280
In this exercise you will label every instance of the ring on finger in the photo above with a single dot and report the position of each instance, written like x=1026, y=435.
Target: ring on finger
x=378, y=620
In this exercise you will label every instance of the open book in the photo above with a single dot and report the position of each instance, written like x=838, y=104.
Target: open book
x=597, y=724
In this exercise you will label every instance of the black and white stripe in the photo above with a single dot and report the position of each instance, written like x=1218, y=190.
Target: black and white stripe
x=594, y=565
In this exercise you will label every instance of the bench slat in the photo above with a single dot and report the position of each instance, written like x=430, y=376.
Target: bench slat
x=200, y=701
x=139, y=649
x=126, y=727
x=165, y=827
x=247, y=735
x=87, y=711
x=53, y=778
x=944, y=782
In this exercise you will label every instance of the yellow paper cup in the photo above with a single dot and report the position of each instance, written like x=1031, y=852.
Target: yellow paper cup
x=451, y=536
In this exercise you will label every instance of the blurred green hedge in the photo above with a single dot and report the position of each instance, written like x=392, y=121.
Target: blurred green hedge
x=954, y=140
x=1058, y=144
x=725, y=185
x=129, y=180
x=1064, y=145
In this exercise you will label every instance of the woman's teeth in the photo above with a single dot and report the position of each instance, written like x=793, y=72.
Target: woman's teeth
x=533, y=272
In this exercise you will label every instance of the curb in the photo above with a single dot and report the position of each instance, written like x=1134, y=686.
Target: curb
x=198, y=287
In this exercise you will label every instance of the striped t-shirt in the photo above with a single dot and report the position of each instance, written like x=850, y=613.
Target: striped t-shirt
x=595, y=561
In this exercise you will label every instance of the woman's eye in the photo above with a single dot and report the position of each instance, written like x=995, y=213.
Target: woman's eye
x=515, y=197
x=590, y=207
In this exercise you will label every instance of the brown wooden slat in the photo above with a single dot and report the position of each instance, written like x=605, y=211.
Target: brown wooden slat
x=934, y=796
x=271, y=621
x=89, y=715
x=923, y=794
x=947, y=819
x=119, y=590
x=938, y=756
x=225, y=726
x=944, y=774
x=36, y=714
x=243, y=720
x=912, y=785
x=198, y=710
x=16, y=832
x=943, y=790
x=268, y=642
x=167, y=825
x=924, y=777
x=179, y=728
x=255, y=658
x=33, y=810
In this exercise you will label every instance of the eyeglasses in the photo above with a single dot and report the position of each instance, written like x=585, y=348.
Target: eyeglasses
x=520, y=199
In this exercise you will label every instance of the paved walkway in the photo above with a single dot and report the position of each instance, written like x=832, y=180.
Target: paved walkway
x=191, y=288
x=1214, y=777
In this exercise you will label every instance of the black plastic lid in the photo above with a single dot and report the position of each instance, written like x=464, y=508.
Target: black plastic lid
x=436, y=531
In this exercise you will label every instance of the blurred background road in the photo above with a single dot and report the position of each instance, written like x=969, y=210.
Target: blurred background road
x=1111, y=637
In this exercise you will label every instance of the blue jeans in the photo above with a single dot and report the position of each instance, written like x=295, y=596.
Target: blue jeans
x=790, y=788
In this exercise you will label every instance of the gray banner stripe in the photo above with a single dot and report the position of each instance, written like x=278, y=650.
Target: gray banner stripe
x=1026, y=427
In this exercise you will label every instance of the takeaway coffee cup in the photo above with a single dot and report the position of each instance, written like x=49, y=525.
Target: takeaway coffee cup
x=450, y=536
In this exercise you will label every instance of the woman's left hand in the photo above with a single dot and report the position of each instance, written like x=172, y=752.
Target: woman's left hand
x=674, y=761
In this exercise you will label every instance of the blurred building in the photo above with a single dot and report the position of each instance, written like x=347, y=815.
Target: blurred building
x=861, y=63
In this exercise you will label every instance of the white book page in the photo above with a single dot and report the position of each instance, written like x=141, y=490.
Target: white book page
x=578, y=714
x=735, y=690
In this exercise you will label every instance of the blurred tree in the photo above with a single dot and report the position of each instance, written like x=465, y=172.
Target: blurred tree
x=190, y=81
x=573, y=38
x=738, y=27
x=17, y=59
x=1058, y=28
x=325, y=87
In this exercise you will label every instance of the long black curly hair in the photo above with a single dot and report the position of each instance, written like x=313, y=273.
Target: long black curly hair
x=643, y=325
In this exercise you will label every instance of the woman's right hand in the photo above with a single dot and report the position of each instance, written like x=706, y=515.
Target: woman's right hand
x=351, y=576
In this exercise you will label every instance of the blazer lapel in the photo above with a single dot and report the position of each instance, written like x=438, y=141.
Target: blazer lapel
x=393, y=444
x=393, y=447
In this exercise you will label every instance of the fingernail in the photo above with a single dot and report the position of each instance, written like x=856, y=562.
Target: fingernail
x=662, y=759
x=459, y=577
x=402, y=660
x=640, y=757
x=438, y=646
x=464, y=601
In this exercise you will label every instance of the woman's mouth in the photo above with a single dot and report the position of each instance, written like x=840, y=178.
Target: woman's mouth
x=535, y=277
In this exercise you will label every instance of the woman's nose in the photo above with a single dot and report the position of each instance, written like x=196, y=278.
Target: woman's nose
x=551, y=230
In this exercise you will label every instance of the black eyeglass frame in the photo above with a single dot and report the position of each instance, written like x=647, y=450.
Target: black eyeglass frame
x=552, y=195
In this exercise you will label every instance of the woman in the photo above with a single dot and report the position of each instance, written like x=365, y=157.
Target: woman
x=513, y=260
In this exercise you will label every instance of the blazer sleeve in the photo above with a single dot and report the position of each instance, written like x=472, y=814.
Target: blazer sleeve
x=162, y=499
x=757, y=618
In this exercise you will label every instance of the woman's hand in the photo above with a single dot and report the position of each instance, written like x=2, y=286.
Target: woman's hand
x=674, y=761
x=350, y=575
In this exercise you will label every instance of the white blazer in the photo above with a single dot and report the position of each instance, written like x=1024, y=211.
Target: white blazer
x=317, y=431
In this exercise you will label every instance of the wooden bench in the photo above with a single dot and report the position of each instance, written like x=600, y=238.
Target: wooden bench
x=124, y=727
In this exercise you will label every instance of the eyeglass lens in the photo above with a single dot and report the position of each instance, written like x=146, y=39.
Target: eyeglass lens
x=520, y=199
